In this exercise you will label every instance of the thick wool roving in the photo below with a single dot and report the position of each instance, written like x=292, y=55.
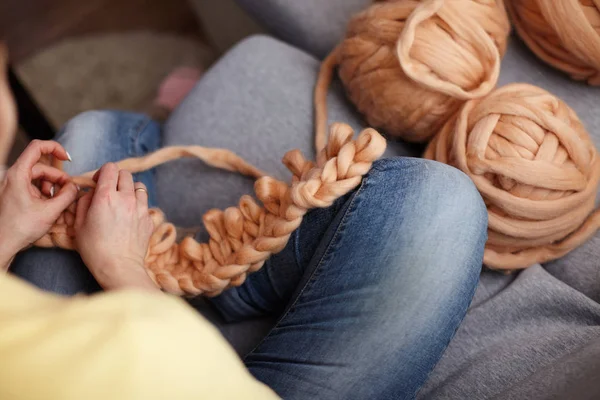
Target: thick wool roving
x=408, y=65
x=242, y=238
x=536, y=168
x=563, y=33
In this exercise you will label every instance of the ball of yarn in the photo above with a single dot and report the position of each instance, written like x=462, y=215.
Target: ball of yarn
x=563, y=33
x=535, y=166
x=408, y=65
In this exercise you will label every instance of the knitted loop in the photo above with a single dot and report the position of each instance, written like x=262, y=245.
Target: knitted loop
x=242, y=238
x=563, y=33
x=408, y=65
x=536, y=168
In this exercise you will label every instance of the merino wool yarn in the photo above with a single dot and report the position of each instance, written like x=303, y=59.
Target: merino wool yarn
x=407, y=65
x=536, y=168
x=242, y=238
x=563, y=33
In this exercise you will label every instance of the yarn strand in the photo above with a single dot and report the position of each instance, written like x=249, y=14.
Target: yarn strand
x=324, y=79
x=214, y=157
x=242, y=238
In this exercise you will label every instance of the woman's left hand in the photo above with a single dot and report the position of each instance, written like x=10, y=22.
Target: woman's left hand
x=25, y=213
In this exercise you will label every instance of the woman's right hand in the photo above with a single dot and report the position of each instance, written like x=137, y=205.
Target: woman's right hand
x=113, y=228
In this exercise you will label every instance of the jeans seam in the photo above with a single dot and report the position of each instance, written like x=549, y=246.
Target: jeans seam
x=134, y=135
x=296, y=241
x=319, y=265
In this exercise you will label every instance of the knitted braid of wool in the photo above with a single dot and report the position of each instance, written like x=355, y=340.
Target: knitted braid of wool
x=242, y=238
x=408, y=65
x=563, y=33
x=536, y=168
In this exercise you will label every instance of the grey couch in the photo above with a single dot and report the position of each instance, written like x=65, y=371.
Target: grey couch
x=532, y=335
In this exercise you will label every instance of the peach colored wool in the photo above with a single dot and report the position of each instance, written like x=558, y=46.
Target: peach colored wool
x=536, y=168
x=242, y=238
x=408, y=65
x=563, y=33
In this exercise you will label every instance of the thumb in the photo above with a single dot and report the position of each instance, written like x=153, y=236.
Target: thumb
x=64, y=198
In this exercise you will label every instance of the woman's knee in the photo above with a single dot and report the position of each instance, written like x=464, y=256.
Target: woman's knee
x=435, y=221
x=91, y=125
x=84, y=137
x=430, y=241
x=436, y=195
x=96, y=137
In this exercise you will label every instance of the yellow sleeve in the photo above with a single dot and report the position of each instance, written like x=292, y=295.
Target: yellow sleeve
x=120, y=345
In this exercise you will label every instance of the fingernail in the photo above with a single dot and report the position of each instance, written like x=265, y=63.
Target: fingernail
x=78, y=187
x=52, y=191
x=68, y=156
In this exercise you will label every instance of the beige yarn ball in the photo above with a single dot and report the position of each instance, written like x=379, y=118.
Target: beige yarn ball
x=408, y=65
x=563, y=33
x=536, y=168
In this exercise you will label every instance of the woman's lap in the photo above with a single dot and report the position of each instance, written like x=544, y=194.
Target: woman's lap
x=260, y=125
x=356, y=276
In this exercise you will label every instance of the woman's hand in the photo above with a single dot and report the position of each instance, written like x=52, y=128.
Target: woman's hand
x=113, y=228
x=25, y=214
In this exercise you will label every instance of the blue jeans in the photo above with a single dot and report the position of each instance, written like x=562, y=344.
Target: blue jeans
x=368, y=292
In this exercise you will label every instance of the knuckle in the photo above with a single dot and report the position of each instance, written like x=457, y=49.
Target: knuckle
x=128, y=204
x=103, y=193
x=131, y=202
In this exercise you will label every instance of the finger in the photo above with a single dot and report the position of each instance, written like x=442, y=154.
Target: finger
x=50, y=174
x=141, y=195
x=108, y=176
x=83, y=205
x=47, y=188
x=125, y=183
x=36, y=149
x=63, y=199
x=96, y=175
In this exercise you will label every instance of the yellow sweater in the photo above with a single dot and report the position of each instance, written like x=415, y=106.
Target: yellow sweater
x=120, y=345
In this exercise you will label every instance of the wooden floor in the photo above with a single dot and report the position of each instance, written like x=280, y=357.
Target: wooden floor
x=30, y=25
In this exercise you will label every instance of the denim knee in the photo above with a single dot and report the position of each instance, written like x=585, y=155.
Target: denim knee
x=433, y=199
x=96, y=137
x=428, y=183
